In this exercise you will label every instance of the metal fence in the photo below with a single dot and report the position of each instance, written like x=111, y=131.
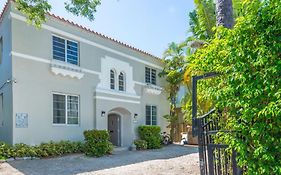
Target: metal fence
x=215, y=158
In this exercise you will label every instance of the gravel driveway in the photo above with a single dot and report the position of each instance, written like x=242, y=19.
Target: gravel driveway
x=170, y=160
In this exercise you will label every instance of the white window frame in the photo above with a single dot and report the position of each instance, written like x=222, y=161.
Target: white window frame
x=124, y=82
x=150, y=75
x=114, y=78
x=66, y=111
x=150, y=105
x=65, y=47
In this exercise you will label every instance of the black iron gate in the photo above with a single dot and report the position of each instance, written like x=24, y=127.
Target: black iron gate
x=214, y=158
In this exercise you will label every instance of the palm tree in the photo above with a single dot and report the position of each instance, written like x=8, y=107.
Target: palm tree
x=224, y=13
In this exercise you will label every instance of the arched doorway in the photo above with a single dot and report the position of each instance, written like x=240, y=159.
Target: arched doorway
x=119, y=125
x=114, y=128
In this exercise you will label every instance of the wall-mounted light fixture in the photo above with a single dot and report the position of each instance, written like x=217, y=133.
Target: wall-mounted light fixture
x=135, y=116
x=102, y=113
x=9, y=81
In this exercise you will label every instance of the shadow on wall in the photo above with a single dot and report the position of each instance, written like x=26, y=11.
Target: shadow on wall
x=75, y=164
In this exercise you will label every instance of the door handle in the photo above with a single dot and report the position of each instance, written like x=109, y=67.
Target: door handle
x=110, y=131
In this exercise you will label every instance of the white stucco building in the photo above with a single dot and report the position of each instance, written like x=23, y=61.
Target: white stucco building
x=63, y=79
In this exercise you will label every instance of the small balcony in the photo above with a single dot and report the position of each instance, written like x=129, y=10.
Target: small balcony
x=153, y=89
x=66, y=69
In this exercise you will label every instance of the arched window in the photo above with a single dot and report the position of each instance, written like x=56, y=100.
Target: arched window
x=112, y=79
x=121, y=79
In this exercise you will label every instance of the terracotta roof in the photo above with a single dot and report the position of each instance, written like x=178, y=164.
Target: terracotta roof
x=85, y=29
x=4, y=10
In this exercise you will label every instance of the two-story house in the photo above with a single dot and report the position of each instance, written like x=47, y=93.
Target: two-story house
x=63, y=79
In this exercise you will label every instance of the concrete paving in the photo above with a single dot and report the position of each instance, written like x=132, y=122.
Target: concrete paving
x=79, y=164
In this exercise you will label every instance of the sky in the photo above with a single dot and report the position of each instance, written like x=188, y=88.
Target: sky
x=149, y=25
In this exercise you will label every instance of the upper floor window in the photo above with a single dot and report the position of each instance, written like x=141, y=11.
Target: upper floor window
x=65, y=109
x=65, y=50
x=112, y=79
x=1, y=49
x=121, y=79
x=150, y=75
x=150, y=115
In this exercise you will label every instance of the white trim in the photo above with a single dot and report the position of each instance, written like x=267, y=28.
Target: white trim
x=119, y=93
x=80, y=39
x=140, y=83
x=116, y=99
x=29, y=57
x=66, y=110
x=48, y=61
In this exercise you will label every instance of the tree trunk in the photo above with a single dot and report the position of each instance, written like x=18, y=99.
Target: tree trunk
x=224, y=12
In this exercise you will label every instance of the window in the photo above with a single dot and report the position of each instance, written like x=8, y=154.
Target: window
x=151, y=115
x=112, y=79
x=1, y=49
x=65, y=50
x=150, y=75
x=65, y=109
x=121, y=79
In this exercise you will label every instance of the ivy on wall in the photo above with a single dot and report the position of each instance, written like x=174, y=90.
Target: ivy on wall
x=248, y=57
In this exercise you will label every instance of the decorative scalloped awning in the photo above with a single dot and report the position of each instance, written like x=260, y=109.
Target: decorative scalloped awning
x=65, y=69
x=152, y=89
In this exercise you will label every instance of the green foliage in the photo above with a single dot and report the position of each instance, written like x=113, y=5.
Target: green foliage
x=173, y=71
x=151, y=134
x=140, y=144
x=58, y=148
x=43, y=150
x=36, y=10
x=85, y=8
x=97, y=143
x=249, y=88
x=203, y=19
x=23, y=150
x=5, y=151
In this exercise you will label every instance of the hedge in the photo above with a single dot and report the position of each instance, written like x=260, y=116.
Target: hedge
x=96, y=144
x=43, y=150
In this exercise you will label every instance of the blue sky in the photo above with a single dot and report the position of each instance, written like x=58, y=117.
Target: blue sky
x=149, y=25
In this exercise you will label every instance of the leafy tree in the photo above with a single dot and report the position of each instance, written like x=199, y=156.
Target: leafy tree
x=202, y=19
x=35, y=10
x=249, y=88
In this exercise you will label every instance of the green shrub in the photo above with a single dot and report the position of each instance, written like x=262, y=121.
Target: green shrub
x=151, y=134
x=97, y=143
x=23, y=150
x=6, y=151
x=140, y=144
x=43, y=150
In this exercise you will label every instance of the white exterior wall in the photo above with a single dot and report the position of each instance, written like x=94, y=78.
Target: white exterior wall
x=32, y=94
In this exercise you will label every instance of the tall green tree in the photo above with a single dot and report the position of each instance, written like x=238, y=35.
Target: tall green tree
x=173, y=71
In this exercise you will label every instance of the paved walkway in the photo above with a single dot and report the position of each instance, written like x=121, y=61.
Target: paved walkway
x=172, y=159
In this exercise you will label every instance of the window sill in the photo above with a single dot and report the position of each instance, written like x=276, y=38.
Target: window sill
x=68, y=125
x=66, y=69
